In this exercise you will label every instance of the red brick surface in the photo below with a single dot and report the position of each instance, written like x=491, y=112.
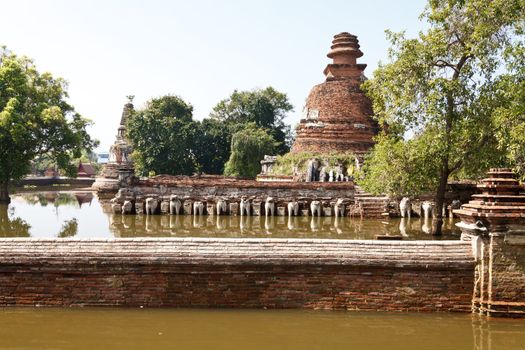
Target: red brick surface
x=242, y=273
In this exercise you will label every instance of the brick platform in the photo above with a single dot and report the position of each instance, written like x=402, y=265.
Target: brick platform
x=242, y=273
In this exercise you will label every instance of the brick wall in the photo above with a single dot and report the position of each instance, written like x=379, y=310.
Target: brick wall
x=242, y=273
x=500, y=275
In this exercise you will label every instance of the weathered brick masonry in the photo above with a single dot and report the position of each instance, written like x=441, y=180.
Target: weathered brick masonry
x=338, y=115
x=244, y=273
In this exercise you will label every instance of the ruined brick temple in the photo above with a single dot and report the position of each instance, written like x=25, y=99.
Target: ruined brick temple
x=337, y=116
x=120, y=165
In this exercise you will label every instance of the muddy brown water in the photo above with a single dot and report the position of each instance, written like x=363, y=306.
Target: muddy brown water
x=250, y=329
x=82, y=215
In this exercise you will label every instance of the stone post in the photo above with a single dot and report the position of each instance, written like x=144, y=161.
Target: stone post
x=494, y=221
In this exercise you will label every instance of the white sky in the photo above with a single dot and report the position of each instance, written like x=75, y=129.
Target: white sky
x=200, y=50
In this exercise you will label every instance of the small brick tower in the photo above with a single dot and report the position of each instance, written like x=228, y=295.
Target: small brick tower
x=337, y=115
x=494, y=221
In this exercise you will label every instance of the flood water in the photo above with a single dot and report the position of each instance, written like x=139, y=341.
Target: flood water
x=249, y=329
x=82, y=215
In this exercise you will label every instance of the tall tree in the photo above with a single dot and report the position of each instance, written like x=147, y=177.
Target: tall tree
x=212, y=145
x=443, y=84
x=510, y=116
x=267, y=108
x=248, y=147
x=35, y=120
x=162, y=135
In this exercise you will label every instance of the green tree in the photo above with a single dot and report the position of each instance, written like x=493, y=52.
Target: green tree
x=510, y=116
x=442, y=86
x=35, y=120
x=267, y=108
x=399, y=167
x=248, y=147
x=212, y=146
x=162, y=135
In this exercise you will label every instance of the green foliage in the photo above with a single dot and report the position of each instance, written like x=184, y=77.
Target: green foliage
x=167, y=140
x=162, y=135
x=399, y=167
x=266, y=108
x=442, y=89
x=35, y=120
x=248, y=147
x=212, y=146
x=285, y=164
x=510, y=116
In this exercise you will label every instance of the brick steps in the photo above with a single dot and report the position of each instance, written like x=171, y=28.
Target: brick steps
x=371, y=206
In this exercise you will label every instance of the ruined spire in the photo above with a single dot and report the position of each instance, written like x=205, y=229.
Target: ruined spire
x=127, y=110
x=344, y=52
x=345, y=49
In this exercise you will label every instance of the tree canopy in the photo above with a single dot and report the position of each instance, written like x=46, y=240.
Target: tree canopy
x=162, y=135
x=248, y=147
x=35, y=120
x=266, y=108
x=442, y=90
x=167, y=140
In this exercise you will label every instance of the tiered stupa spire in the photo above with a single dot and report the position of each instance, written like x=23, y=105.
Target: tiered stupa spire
x=120, y=163
x=338, y=115
x=501, y=203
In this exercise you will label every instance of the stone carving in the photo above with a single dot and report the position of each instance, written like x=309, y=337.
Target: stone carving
x=127, y=207
x=311, y=172
x=267, y=164
x=198, y=208
x=187, y=205
x=331, y=175
x=293, y=208
x=339, y=173
x=313, y=114
x=175, y=205
x=427, y=208
x=315, y=207
x=164, y=207
x=339, y=208
x=245, y=206
x=151, y=206
x=405, y=207
x=222, y=207
x=269, y=206
x=322, y=174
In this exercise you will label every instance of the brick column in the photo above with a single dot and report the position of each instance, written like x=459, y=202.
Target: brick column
x=494, y=221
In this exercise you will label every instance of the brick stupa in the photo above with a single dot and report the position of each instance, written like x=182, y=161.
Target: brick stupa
x=337, y=115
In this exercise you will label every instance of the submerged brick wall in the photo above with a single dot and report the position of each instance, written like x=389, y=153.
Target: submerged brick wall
x=243, y=273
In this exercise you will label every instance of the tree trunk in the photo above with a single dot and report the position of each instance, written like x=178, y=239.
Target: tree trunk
x=4, y=193
x=437, y=224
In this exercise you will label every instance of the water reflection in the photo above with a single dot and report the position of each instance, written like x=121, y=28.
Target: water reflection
x=83, y=215
x=69, y=228
x=276, y=226
x=58, y=199
x=10, y=225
